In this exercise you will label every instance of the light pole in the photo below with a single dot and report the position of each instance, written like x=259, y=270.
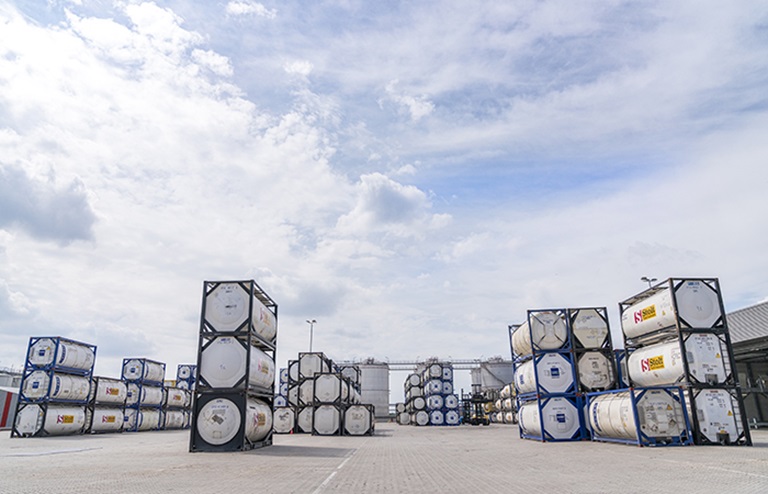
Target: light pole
x=648, y=280
x=311, y=331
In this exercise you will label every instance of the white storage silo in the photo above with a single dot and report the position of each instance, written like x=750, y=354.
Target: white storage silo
x=493, y=374
x=374, y=388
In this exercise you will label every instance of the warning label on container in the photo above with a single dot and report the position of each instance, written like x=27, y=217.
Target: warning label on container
x=108, y=419
x=645, y=313
x=65, y=419
x=113, y=391
x=652, y=363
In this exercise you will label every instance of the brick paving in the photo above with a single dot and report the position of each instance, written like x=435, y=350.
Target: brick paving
x=396, y=460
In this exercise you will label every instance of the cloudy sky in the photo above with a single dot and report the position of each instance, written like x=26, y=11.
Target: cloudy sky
x=413, y=175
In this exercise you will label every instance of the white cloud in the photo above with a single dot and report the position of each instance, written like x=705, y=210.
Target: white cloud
x=579, y=147
x=384, y=205
x=417, y=107
x=247, y=8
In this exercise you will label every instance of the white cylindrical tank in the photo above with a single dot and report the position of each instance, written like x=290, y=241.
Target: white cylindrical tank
x=109, y=391
x=284, y=419
x=54, y=420
x=328, y=388
x=400, y=407
x=451, y=402
x=452, y=417
x=218, y=421
x=293, y=371
x=326, y=420
x=358, y=420
x=419, y=403
x=433, y=386
x=176, y=398
x=447, y=388
x=374, y=386
x=509, y=417
x=185, y=371
x=284, y=375
x=304, y=419
x=62, y=387
x=698, y=306
x=108, y=419
x=142, y=369
x=590, y=328
x=142, y=419
x=595, y=371
x=420, y=418
x=716, y=415
x=436, y=417
x=447, y=373
x=413, y=380
x=226, y=310
x=546, y=331
x=70, y=355
x=307, y=392
x=223, y=364
x=404, y=418
x=555, y=374
x=151, y=395
x=435, y=371
x=173, y=419
x=612, y=415
x=311, y=364
x=662, y=364
x=560, y=418
x=435, y=402
x=508, y=404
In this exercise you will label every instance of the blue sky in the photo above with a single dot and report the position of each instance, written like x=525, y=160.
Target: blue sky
x=414, y=175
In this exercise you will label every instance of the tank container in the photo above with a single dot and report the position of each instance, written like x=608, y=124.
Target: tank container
x=663, y=363
x=227, y=362
x=61, y=354
x=48, y=420
x=551, y=419
x=284, y=420
x=690, y=303
x=642, y=416
x=548, y=373
x=544, y=330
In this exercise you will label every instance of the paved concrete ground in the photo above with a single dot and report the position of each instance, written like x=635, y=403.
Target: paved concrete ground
x=398, y=459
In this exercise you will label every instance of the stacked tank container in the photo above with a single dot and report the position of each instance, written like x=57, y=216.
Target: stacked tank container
x=415, y=402
x=55, y=387
x=144, y=379
x=185, y=376
x=442, y=404
x=177, y=408
x=106, y=407
x=505, y=405
x=234, y=384
x=593, y=354
x=302, y=391
x=676, y=333
x=549, y=406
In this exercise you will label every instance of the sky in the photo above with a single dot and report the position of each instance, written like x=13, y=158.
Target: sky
x=413, y=175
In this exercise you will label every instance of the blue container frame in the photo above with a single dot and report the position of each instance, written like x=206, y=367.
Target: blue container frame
x=47, y=397
x=143, y=365
x=676, y=392
x=541, y=401
x=52, y=366
x=540, y=390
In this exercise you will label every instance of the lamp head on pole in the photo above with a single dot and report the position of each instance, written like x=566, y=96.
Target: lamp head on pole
x=648, y=280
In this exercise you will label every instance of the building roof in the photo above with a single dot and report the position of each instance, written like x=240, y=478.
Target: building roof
x=749, y=323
